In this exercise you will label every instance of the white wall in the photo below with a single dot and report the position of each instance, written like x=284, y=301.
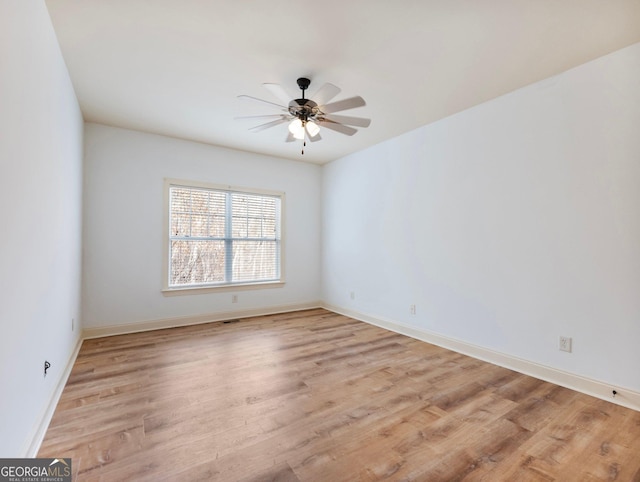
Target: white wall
x=507, y=225
x=123, y=225
x=40, y=214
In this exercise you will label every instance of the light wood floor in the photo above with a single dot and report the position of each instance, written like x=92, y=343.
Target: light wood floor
x=315, y=396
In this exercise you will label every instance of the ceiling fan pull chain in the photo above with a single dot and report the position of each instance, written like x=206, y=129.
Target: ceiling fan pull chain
x=304, y=144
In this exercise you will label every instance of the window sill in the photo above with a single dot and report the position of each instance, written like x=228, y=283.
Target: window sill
x=197, y=290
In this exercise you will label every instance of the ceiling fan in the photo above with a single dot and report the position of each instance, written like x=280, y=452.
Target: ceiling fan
x=306, y=116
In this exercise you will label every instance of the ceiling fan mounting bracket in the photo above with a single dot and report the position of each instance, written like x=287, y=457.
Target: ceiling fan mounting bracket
x=303, y=83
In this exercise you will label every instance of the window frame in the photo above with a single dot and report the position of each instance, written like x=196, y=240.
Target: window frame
x=168, y=290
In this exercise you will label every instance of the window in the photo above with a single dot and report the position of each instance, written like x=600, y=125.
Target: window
x=222, y=237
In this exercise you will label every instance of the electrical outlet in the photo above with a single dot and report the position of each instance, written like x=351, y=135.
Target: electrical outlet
x=352, y=295
x=234, y=298
x=564, y=344
x=412, y=309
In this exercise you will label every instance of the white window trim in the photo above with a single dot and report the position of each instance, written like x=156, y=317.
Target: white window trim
x=188, y=290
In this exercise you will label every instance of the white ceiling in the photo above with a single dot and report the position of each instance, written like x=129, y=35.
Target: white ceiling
x=176, y=67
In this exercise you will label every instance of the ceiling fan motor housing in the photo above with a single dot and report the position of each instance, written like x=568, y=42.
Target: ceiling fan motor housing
x=303, y=109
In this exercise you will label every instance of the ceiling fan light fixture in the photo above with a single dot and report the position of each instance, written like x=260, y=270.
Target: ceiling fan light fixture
x=296, y=128
x=312, y=128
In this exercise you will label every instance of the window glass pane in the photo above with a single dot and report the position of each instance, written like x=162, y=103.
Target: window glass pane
x=180, y=200
x=239, y=215
x=239, y=227
x=199, y=201
x=255, y=260
x=216, y=226
x=250, y=215
x=199, y=225
x=196, y=262
x=269, y=228
x=254, y=227
x=217, y=213
x=180, y=224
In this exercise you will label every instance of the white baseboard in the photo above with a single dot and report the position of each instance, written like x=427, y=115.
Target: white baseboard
x=136, y=327
x=624, y=397
x=45, y=418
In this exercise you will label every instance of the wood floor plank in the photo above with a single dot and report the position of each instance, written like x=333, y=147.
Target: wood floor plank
x=313, y=395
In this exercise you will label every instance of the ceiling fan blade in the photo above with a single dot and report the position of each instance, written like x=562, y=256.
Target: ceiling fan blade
x=262, y=127
x=315, y=138
x=348, y=120
x=267, y=116
x=334, y=126
x=325, y=93
x=261, y=100
x=350, y=103
x=278, y=91
x=290, y=137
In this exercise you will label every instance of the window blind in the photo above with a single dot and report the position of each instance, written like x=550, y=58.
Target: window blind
x=222, y=237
